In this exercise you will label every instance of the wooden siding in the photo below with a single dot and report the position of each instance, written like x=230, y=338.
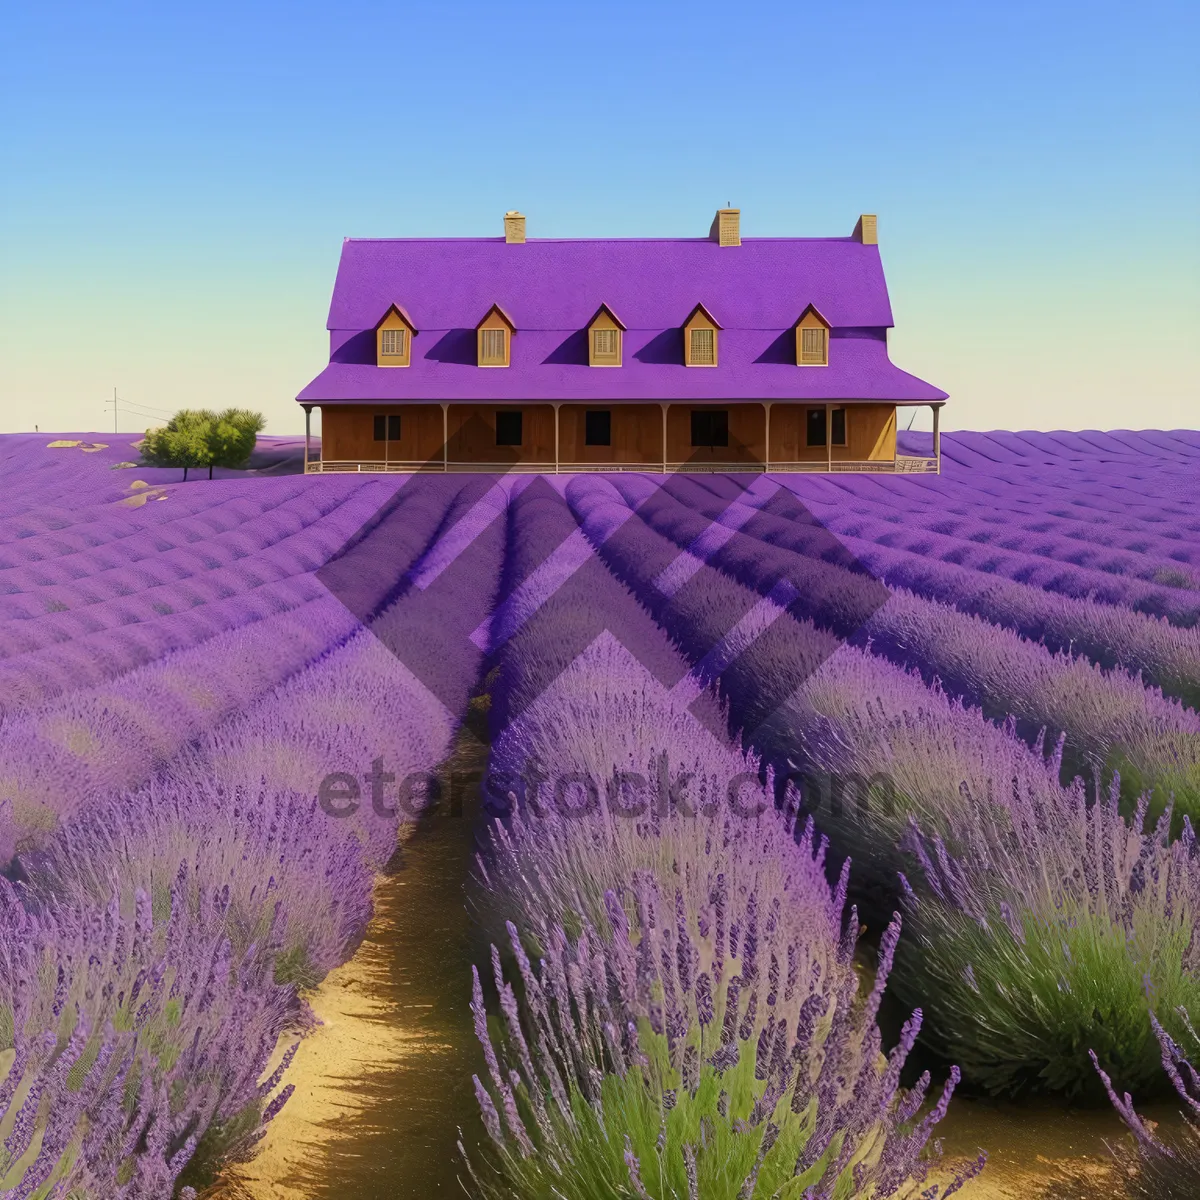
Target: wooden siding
x=636, y=434
x=347, y=433
x=747, y=434
x=473, y=434
x=870, y=434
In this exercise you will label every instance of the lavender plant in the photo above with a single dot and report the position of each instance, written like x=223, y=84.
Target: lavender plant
x=1159, y=1167
x=130, y=1043
x=685, y=1055
x=1053, y=929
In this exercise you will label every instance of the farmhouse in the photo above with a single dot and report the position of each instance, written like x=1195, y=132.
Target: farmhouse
x=709, y=353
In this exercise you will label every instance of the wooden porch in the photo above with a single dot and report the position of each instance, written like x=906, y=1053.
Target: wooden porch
x=568, y=438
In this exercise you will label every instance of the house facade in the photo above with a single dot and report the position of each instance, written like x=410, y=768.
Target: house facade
x=660, y=354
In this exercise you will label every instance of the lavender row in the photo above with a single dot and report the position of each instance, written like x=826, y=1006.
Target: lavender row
x=1059, y=930
x=244, y=803
x=702, y=939
x=973, y=791
x=134, y=1039
x=63, y=651
x=1179, y=606
x=1152, y=504
x=46, y=529
x=1167, y=656
x=116, y=734
x=991, y=501
x=815, y=706
x=1112, y=723
x=170, y=554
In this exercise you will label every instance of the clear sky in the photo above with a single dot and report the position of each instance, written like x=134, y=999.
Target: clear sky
x=177, y=179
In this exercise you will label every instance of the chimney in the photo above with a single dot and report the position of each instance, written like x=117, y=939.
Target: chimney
x=726, y=227
x=865, y=230
x=514, y=227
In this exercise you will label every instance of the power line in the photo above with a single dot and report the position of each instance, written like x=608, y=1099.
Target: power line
x=148, y=407
x=139, y=411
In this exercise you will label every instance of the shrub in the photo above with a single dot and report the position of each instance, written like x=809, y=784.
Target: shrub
x=688, y=1055
x=201, y=438
x=131, y=1041
x=1053, y=929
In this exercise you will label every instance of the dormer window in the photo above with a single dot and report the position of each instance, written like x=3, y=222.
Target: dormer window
x=812, y=339
x=700, y=338
x=703, y=345
x=494, y=333
x=493, y=347
x=393, y=338
x=814, y=348
x=604, y=338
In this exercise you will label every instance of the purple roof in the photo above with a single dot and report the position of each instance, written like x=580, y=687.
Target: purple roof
x=551, y=289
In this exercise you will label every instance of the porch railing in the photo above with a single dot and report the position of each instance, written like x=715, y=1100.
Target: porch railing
x=902, y=465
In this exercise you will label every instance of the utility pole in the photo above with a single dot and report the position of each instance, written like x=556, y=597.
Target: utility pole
x=114, y=404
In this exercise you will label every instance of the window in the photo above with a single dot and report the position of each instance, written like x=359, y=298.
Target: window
x=814, y=347
x=606, y=345
x=393, y=343
x=703, y=348
x=493, y=347
x=839, y=427
x=604, y=338
x=815, y=427
x=508, y=423
x=394, y=333
x=597, y=426
x=710, y=427
x=387, y=427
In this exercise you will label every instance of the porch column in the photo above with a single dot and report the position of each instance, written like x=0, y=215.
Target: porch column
x=556, y=438
x=829, y=439
x=664, y=431
x=937, y=438
x=767, y=443
x=307, y=433
x=445, y=437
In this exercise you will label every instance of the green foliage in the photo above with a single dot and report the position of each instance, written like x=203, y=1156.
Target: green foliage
x=293, y=965
x=202, y=438
x=1072, y=981
x=717, y=1122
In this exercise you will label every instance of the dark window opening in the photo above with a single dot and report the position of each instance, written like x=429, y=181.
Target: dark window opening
x=597, y=427
x=839, y=427
x=815, y=427
x=710, y=427
x=387, y=427
x=509, y=428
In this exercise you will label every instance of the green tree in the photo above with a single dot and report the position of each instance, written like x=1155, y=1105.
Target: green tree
x=197, y=437
x=232, y=436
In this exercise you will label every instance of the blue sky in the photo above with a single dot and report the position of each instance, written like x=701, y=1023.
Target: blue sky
x=178, y=179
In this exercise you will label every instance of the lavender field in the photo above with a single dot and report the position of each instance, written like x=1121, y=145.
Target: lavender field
x=810, y=812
